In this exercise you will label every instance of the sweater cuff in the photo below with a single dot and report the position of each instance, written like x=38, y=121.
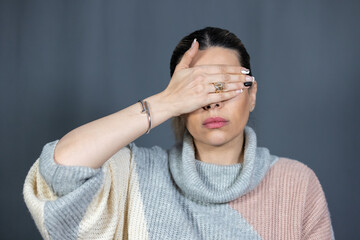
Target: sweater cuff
x=62, y=179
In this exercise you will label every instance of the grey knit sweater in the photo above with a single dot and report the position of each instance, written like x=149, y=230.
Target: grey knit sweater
x=150, y=193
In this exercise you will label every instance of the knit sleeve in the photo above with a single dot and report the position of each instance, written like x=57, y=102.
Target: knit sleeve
x=69, y=202
x=316, y=220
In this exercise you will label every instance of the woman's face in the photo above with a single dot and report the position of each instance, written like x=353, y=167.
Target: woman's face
x=235, y=111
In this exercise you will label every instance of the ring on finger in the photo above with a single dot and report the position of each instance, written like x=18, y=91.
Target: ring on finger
x=219, y=86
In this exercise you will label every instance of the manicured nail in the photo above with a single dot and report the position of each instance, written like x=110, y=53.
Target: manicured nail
x=245, y=71
x=239, y=91
x=249, y=78
x=253, y=79
x=248, y=84
x=193, y=43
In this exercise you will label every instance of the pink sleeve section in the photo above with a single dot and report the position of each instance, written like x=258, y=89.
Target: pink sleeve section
x=316, y=220
x=289, y=203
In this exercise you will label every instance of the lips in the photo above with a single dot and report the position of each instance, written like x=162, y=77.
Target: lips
x=215, y=122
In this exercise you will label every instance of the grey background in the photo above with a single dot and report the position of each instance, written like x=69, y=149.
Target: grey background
x=65, y=63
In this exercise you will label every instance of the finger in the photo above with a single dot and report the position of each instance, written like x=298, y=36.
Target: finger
x=223, y=96
x=234, y=86
x=188, y=56
x=228, y=77
x=213, y=69
x=228, y=87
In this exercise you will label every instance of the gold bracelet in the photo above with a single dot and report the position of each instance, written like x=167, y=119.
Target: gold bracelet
x=145, y=109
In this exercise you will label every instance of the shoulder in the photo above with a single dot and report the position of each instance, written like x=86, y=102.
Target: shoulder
x=302, y=182
x=291, y=174
x=292, y=180
x=291, y=168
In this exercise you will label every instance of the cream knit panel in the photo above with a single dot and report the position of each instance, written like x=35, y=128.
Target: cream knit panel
x=36, y=192
x=108, y=214
x=136, y=221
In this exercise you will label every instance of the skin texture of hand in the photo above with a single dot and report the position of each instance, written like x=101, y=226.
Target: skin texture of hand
x=192, y=88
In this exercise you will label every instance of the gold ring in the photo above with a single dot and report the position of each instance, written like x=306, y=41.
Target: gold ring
x=219, y=87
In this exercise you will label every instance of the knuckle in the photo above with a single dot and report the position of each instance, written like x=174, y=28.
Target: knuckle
x=226, y=77
x=199, y=88
x=199, y=77
x=187, y=53
x=222, y=96
x=239, y=85
x=221, y=69
x=229, y=86
x=185, y=56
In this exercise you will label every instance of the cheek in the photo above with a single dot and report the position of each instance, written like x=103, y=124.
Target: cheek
x=239, y=104
x=239, y=110
x=243, y=107
x=192, y=121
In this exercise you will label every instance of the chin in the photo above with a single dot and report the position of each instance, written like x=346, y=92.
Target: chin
x=215, y=138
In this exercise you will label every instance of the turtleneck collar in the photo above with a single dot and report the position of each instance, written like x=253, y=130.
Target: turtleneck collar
x=212, y=183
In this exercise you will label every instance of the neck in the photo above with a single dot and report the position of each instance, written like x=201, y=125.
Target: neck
x=227, y=154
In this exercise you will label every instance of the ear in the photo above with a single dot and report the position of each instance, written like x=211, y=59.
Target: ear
x=252, y=95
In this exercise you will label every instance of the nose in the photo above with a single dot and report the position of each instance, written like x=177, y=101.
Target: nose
x=213, y=106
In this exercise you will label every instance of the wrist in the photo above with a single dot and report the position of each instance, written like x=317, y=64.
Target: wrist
x=166, y=103
x=160, y=109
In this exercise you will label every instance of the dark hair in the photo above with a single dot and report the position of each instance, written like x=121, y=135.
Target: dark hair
x=206, y=37
x=211, y=37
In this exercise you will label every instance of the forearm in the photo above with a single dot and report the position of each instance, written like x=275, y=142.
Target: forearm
x=95, y=142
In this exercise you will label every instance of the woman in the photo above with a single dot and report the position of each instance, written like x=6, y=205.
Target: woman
x=215, y=184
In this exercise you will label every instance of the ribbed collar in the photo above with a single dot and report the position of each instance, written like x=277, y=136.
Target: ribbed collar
x=212, y=183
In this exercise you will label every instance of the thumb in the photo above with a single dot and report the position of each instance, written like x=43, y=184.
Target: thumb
x=188, y=56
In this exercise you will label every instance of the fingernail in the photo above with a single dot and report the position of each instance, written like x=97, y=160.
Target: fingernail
x=193, y=43
x=253, y=79
x=247, y=84
x=245, y=71
x=239, y=91
x=249, y=79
